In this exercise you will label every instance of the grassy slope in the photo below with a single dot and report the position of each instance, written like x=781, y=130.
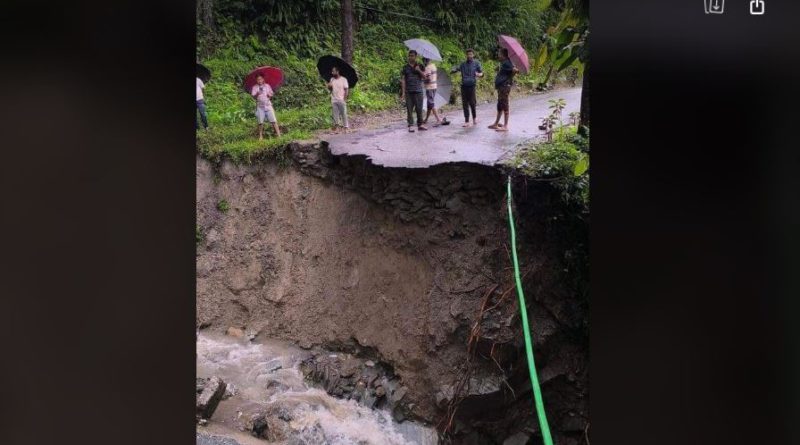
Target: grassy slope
x=303, y=104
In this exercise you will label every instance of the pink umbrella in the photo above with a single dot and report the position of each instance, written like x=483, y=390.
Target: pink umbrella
x=272, y=76
x=516, y=53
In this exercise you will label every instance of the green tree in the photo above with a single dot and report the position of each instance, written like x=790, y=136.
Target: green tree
x=567, y=45
x=347, y=31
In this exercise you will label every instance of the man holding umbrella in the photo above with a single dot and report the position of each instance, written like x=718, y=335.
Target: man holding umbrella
x=502, y=82
x=340, y=78
x=263, y=93
x=411, y=80
x=339, y=88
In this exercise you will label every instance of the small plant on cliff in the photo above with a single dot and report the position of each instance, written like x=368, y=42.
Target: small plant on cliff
x=223, y=206
x=198, y=234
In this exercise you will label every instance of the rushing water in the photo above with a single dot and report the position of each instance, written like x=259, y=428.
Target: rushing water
x=268, y=373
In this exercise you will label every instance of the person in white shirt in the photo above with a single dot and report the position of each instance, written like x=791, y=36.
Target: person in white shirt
x=430, y=90
x=339, y=88
x=201, y=106
x=263, y=93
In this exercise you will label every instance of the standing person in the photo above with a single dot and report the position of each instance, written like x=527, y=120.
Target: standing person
x=503, y=82
x=430, y=90
x=339, y=90
x=470, y=70
x=411, y=78
x=263, y=93
x=201, y=105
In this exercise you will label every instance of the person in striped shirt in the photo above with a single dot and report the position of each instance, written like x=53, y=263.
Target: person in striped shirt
x=430, y=90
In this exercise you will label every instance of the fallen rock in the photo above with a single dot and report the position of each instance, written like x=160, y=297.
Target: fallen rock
x=212, y=238
x=521, y=438
x=207, y=439
x=349, y=367
x=345, y=376
x=209, y=397
x=235, y=332
x=230, y=391
x=260, y=427
x=275, y=423
x=273, y=365
x=201, y=383
x=444, y=396
x=398, y=395
x=398, y=413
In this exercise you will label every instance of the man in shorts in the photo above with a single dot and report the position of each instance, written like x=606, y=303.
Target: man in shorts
x=263, y=93
x=430, y=90
x=339, y=88
x=502, y=82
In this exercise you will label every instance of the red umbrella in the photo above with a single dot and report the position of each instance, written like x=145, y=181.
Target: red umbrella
x=516, y=53
x=272, y=76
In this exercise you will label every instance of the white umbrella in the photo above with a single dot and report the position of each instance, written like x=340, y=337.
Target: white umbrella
x=424, y=48
x=443, y=89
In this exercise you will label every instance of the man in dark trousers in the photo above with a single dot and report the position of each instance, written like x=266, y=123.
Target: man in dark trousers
x=470, y=71
x=411, y=88
x=503, y=82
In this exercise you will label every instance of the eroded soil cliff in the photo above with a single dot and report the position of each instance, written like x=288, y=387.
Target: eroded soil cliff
x=409, y=267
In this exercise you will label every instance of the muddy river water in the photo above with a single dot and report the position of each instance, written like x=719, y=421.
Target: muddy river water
x=264, y=373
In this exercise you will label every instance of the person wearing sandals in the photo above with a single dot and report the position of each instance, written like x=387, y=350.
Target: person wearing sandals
x=263, y=93
x=411, y=80
x=503, y=82
x=430, y=91
x=339, y=89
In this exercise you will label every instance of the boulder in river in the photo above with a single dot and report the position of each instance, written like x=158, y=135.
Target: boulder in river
x=368, y=382
x=209, y=397
x=207, y=439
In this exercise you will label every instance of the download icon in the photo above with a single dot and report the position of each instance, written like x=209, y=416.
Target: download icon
x=715, y=6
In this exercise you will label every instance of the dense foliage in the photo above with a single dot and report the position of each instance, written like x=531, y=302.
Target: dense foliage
x=292, y=34
x=563, y=164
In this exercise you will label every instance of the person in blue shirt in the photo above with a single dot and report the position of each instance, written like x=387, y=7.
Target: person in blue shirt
x=503, y=82
x=470, y=70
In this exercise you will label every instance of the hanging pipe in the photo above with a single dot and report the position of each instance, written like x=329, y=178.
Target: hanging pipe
x=537, y=392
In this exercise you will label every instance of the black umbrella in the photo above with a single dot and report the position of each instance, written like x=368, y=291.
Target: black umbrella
x=326, y=63
x=203, y=73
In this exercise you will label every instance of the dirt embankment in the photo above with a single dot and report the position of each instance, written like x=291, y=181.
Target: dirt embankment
x=406, y=266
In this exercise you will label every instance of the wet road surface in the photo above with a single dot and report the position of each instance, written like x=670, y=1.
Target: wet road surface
x=394, y=146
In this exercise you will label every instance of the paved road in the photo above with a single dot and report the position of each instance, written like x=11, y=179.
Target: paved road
x=394, y=146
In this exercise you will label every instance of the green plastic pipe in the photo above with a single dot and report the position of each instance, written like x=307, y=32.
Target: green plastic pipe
x=537, y=392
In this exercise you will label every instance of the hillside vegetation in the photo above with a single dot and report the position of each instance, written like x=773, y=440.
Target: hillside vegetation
x=236, y=36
